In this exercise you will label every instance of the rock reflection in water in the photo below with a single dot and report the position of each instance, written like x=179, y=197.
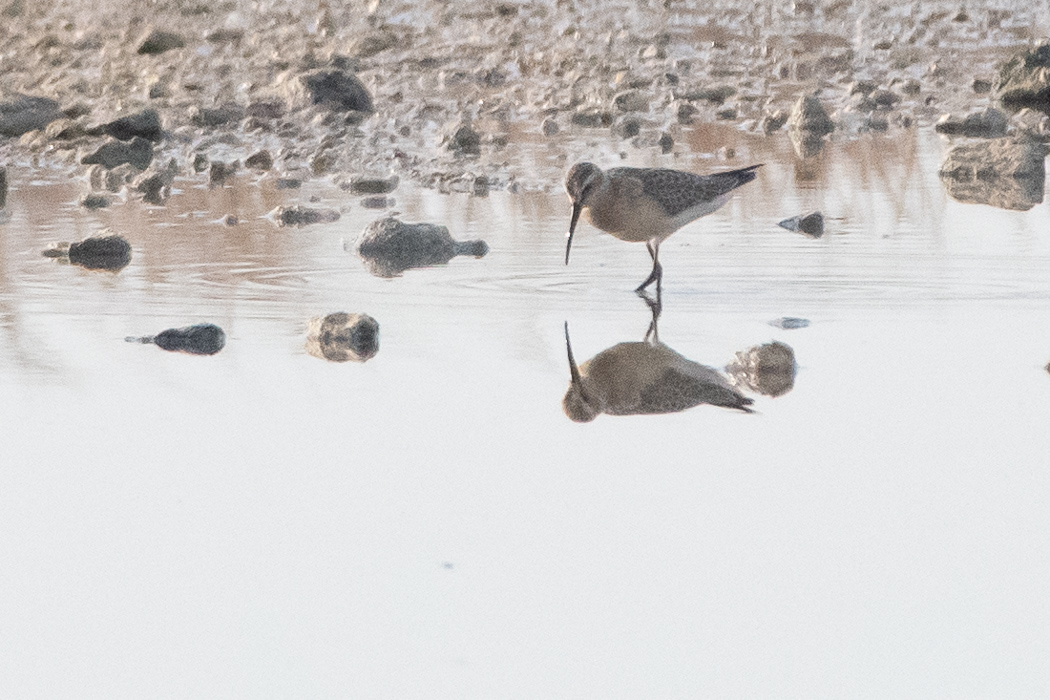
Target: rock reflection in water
x=1001, y=172
x=110, y=252
x=340, y=337
x=644, y=377
x=389, y=247
x=767, y=369
x=199, y=339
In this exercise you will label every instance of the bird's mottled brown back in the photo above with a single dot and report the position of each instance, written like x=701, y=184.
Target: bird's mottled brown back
x=677, y=191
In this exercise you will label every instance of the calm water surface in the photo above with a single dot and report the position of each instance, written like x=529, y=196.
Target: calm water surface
x=263, y=524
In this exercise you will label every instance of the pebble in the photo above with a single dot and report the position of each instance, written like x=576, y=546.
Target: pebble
x=260, y=160
x=343, y=337
x=138, y=153
x=159, y=41
x=811, y=224
x=303, y=216
x=198, y=339
x=338, y=90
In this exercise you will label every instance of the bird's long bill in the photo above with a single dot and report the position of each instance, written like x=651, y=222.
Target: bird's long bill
x=573, y=369
x=576, y=209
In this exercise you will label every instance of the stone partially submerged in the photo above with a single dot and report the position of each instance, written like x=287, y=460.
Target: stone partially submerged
x=986, y=123
x=808, y=124
x=811, y=224
x=768, y=369
x=1024, y=80
x=389, y=247
x=1003, y=173
x=138, y=152
x=198, y=339
x=107, y=252
x=343, y=337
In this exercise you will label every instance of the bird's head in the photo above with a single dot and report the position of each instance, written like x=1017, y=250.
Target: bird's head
x=582, y=180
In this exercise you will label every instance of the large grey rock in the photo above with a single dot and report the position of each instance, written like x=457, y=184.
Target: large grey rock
x=338, y=90
x=24, y=114
x=1024, y=80
x=389, y=247
x=145, y=124
x=138, y=152
x=1003, y=173
x=987, y=123
x=341, y=337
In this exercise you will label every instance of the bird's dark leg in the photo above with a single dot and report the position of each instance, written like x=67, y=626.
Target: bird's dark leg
x=658, y=272
x=655, y=307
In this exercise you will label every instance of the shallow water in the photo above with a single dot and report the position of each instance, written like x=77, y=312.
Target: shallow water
x=430, y=524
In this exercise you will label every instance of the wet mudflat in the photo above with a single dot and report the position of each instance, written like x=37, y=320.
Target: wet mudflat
x=430, y=523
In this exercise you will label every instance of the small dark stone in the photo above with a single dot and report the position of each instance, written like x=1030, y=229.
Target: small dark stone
x=217, y=116
x=3, y=186
x=389, y=247
x=789, y=322
x=94, y=201
x=25, y=114
x=111, y=252
x=373, y=185
x=138, y=152
x=665, y=142
x=200, y=162
x=303, y=216
x=986, y=123
x=338, y=90
x=221, y=172
x=811, y=224
x=768, y=369
x=199, y=339
x=159, y=42
x=261, y=160
x=287, y=183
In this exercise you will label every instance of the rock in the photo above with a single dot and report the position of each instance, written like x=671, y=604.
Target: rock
x=665, y=142
x=789, y=323
x=112, y=180
x=287, y=183
x=481, y=186
x=104, y=252
x=303, y=216
x=94, y=201
x=389, y=247
x=1003, y=173
x=772, y=122
x=230, y=220
x=138, y=152
x=377, y=202
x=156, y=187
x=685, y=113
x=216, y=116
x=3, y=186
x=199, y=339
x=260, y=160
x=808, y=115
x=64, y=130
x=145, y=124
x=342, y=337
x=981, y=87
x=220, y=172
x=200, y=162
x=628, y=127
x=811, y=224
x=808, y=124
x=1024, y=80
x=158, y=42
x=338, y=90
x=768, y=369
x=24, y=114
x=265, y=109
x=863, y=87
x=987, y=123
x=884, y=98
x=549, y=127
x=592, y=118
x=464, y=139
x=373, y=185
x=911, y=87
x=631, y=101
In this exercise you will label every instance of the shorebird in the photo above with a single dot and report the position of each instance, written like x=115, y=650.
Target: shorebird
x=647, y=204
x=643, y=378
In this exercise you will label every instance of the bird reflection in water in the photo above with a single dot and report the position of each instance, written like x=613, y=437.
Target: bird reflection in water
x=644, y=377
